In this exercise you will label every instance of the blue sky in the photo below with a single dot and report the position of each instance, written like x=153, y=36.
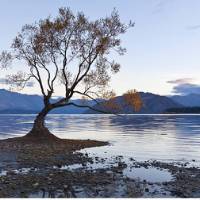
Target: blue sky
x=163, y=47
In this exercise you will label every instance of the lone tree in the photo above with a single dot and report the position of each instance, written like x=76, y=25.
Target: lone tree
x=70, y=50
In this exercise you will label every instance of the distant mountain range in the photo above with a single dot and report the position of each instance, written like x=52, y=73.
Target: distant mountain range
x=190, y=100
x=17, y=103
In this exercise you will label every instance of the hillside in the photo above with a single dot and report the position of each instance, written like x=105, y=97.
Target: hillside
x=190, y=100
x=13, y=101
x=152, y=104
x=16, y=103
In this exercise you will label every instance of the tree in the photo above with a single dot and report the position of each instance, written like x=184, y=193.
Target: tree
x=69, y=49
x=118, y=105
x=132, y=98
x=5, y=59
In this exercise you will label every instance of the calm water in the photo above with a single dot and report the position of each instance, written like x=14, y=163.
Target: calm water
x=143, y=137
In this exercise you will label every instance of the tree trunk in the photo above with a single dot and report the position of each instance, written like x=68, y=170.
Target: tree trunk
x=39, y=130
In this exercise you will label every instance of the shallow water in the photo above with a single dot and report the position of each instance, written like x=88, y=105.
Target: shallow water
x=150, y=174
x=142, y=137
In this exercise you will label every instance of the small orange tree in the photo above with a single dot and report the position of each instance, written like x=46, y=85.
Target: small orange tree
x=132, y=98
x=112, y=104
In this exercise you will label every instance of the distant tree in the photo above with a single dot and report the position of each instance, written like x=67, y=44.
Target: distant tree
x=132, y=98
x=71, y=50
x=5, y=59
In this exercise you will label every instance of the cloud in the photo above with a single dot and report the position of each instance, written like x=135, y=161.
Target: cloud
x=185, y=86
x=195, y=27
x=181, y=81
x=160, y=6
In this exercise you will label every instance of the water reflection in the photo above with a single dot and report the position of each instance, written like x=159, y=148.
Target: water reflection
x=163, y=137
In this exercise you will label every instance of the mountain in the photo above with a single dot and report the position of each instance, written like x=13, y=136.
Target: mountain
x=152, y=104
x=13, y=102
x=16, y=103
x=190, y=100
x=73, y=109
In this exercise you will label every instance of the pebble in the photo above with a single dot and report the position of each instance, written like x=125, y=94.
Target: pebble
x=35, y=184
x=59, y=165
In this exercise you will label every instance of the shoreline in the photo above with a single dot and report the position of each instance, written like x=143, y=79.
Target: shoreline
x=27, y=152
x=49, y=170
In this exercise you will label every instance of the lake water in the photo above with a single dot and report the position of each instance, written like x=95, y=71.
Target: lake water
x=142, y=137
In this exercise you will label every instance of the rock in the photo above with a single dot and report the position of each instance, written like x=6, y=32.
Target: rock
x=6, y=182
x=146, y=190
x=35, y=184
x=11, y=173
x=59, y=165
x=49, y=179
x=119, y=171
x=131, y=159
x=96, y=158
x=84, y=164
x=122, y=165
x=65, y=186
x=91, y=162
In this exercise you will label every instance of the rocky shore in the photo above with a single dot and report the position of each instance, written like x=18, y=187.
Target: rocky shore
x=58, y=169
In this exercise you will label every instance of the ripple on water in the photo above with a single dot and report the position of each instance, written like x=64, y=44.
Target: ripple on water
x=143, y=137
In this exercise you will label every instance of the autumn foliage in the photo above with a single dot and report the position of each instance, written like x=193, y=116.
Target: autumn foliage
x=131, y=99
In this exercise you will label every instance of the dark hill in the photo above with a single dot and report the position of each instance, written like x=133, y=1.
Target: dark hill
x=17, y=103
x=189, y=100
x=152, y=104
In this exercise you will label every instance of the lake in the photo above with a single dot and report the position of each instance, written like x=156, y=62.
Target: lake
x=161, y=137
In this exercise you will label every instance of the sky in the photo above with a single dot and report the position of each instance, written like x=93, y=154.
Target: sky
x=162, y=49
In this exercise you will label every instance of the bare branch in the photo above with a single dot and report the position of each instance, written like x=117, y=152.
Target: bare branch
x=19, y=80
x=54, y=45
x=83, y=106
x=87, y=95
